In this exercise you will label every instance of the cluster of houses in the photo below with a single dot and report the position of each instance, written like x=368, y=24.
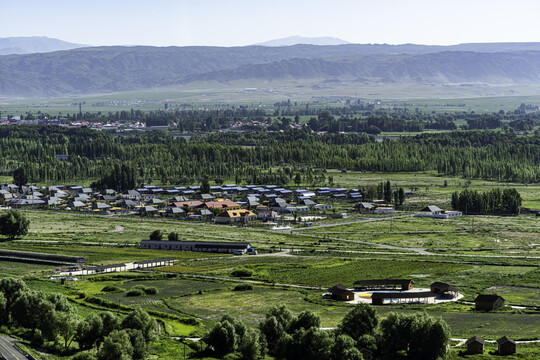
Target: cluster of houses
x=222, y=204
x=251, y=201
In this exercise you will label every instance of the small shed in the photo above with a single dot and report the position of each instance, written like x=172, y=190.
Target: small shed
x=488, y=302
x=475, y=345
x=340, y=292
x=444, y=289
x=506, y=346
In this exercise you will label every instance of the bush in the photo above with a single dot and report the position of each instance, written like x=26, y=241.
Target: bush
x=243, y=287
x=242, y=273
x=135, y=292
x=151, y=290
x=156, y=235
x=81, y=294
x=173, y=236
x=112, y=288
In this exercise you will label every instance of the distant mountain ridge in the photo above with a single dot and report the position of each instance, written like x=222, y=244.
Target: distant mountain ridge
x=34, y=44
x=114, y=69
x=443, y=68
x=296, y=40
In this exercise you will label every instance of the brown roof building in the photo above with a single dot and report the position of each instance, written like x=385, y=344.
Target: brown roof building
x=340, y=292
x=488, y=302
x=475, y=345
x=506, y=346
x=444, y=289
x=404, y=284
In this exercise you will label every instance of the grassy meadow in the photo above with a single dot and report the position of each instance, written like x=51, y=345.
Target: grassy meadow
x=478, y=254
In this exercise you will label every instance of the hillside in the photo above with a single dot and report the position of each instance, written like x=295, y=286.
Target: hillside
x=115, y=69
x=438, y=68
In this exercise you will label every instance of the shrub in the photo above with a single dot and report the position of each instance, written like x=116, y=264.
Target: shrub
x=135, y=292
x=81, y=294
x=112, y=288
x=156, y=235
x=173, y=236
x=151, y=290
x=242, y=273
x=243, y=287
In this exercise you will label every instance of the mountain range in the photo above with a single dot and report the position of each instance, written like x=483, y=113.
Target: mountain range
x=34, y=44
x=295, y=40
x=91, y=70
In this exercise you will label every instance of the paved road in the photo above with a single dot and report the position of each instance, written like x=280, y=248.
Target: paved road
x=8, y=350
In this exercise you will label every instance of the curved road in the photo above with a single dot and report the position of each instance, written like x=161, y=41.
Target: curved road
x=8, y=350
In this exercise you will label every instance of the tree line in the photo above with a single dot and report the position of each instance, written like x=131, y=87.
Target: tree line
x=297, y=337
x=495, y=201
x=259, y=157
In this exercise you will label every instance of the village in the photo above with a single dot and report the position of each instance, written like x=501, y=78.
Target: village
x=229, y=204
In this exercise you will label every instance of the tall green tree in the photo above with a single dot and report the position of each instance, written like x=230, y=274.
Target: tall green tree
x=361, y=320
x=19, y=177
x=141, y=320
x=116, y=346
x=13, y=224
x=420, y=336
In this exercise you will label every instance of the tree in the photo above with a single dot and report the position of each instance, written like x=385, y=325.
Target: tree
x=222, y=338
x=250, y=345
x=14, y=224
x=173, y=236
x=66, y=324
x=401, y=196
x=311, y=344
x=344, y=349
x=361, y=320
x=156, y=235
x=116, y=346
x=297, y=179
x=373, y=130
x=19, y=177
x=205, y=186
x=305, y=320
x=139, y=344
x=110, y=323
x=420, y=336
x=89, y=331
x=387, y=192
x=11, y=288
x=30, y=309
x=276, y=323
x=141, y=320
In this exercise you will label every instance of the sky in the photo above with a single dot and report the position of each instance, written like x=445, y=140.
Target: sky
x=245, y=22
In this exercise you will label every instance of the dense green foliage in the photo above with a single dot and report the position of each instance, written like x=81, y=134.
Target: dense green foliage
x=290, y=337
x=13, y=224
x=51, y=318
x=253, y=157
x=507, y=201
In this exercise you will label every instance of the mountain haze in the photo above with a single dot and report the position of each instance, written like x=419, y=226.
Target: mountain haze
x=115, y=69
x=34, y=44
x=295, y=40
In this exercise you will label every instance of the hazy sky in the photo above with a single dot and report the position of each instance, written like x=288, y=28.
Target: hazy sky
x=244, y=22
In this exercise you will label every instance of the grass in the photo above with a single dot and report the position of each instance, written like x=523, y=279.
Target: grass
x=19, y=269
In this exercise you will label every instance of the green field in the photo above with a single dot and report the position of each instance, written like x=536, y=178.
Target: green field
x=478, y=254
